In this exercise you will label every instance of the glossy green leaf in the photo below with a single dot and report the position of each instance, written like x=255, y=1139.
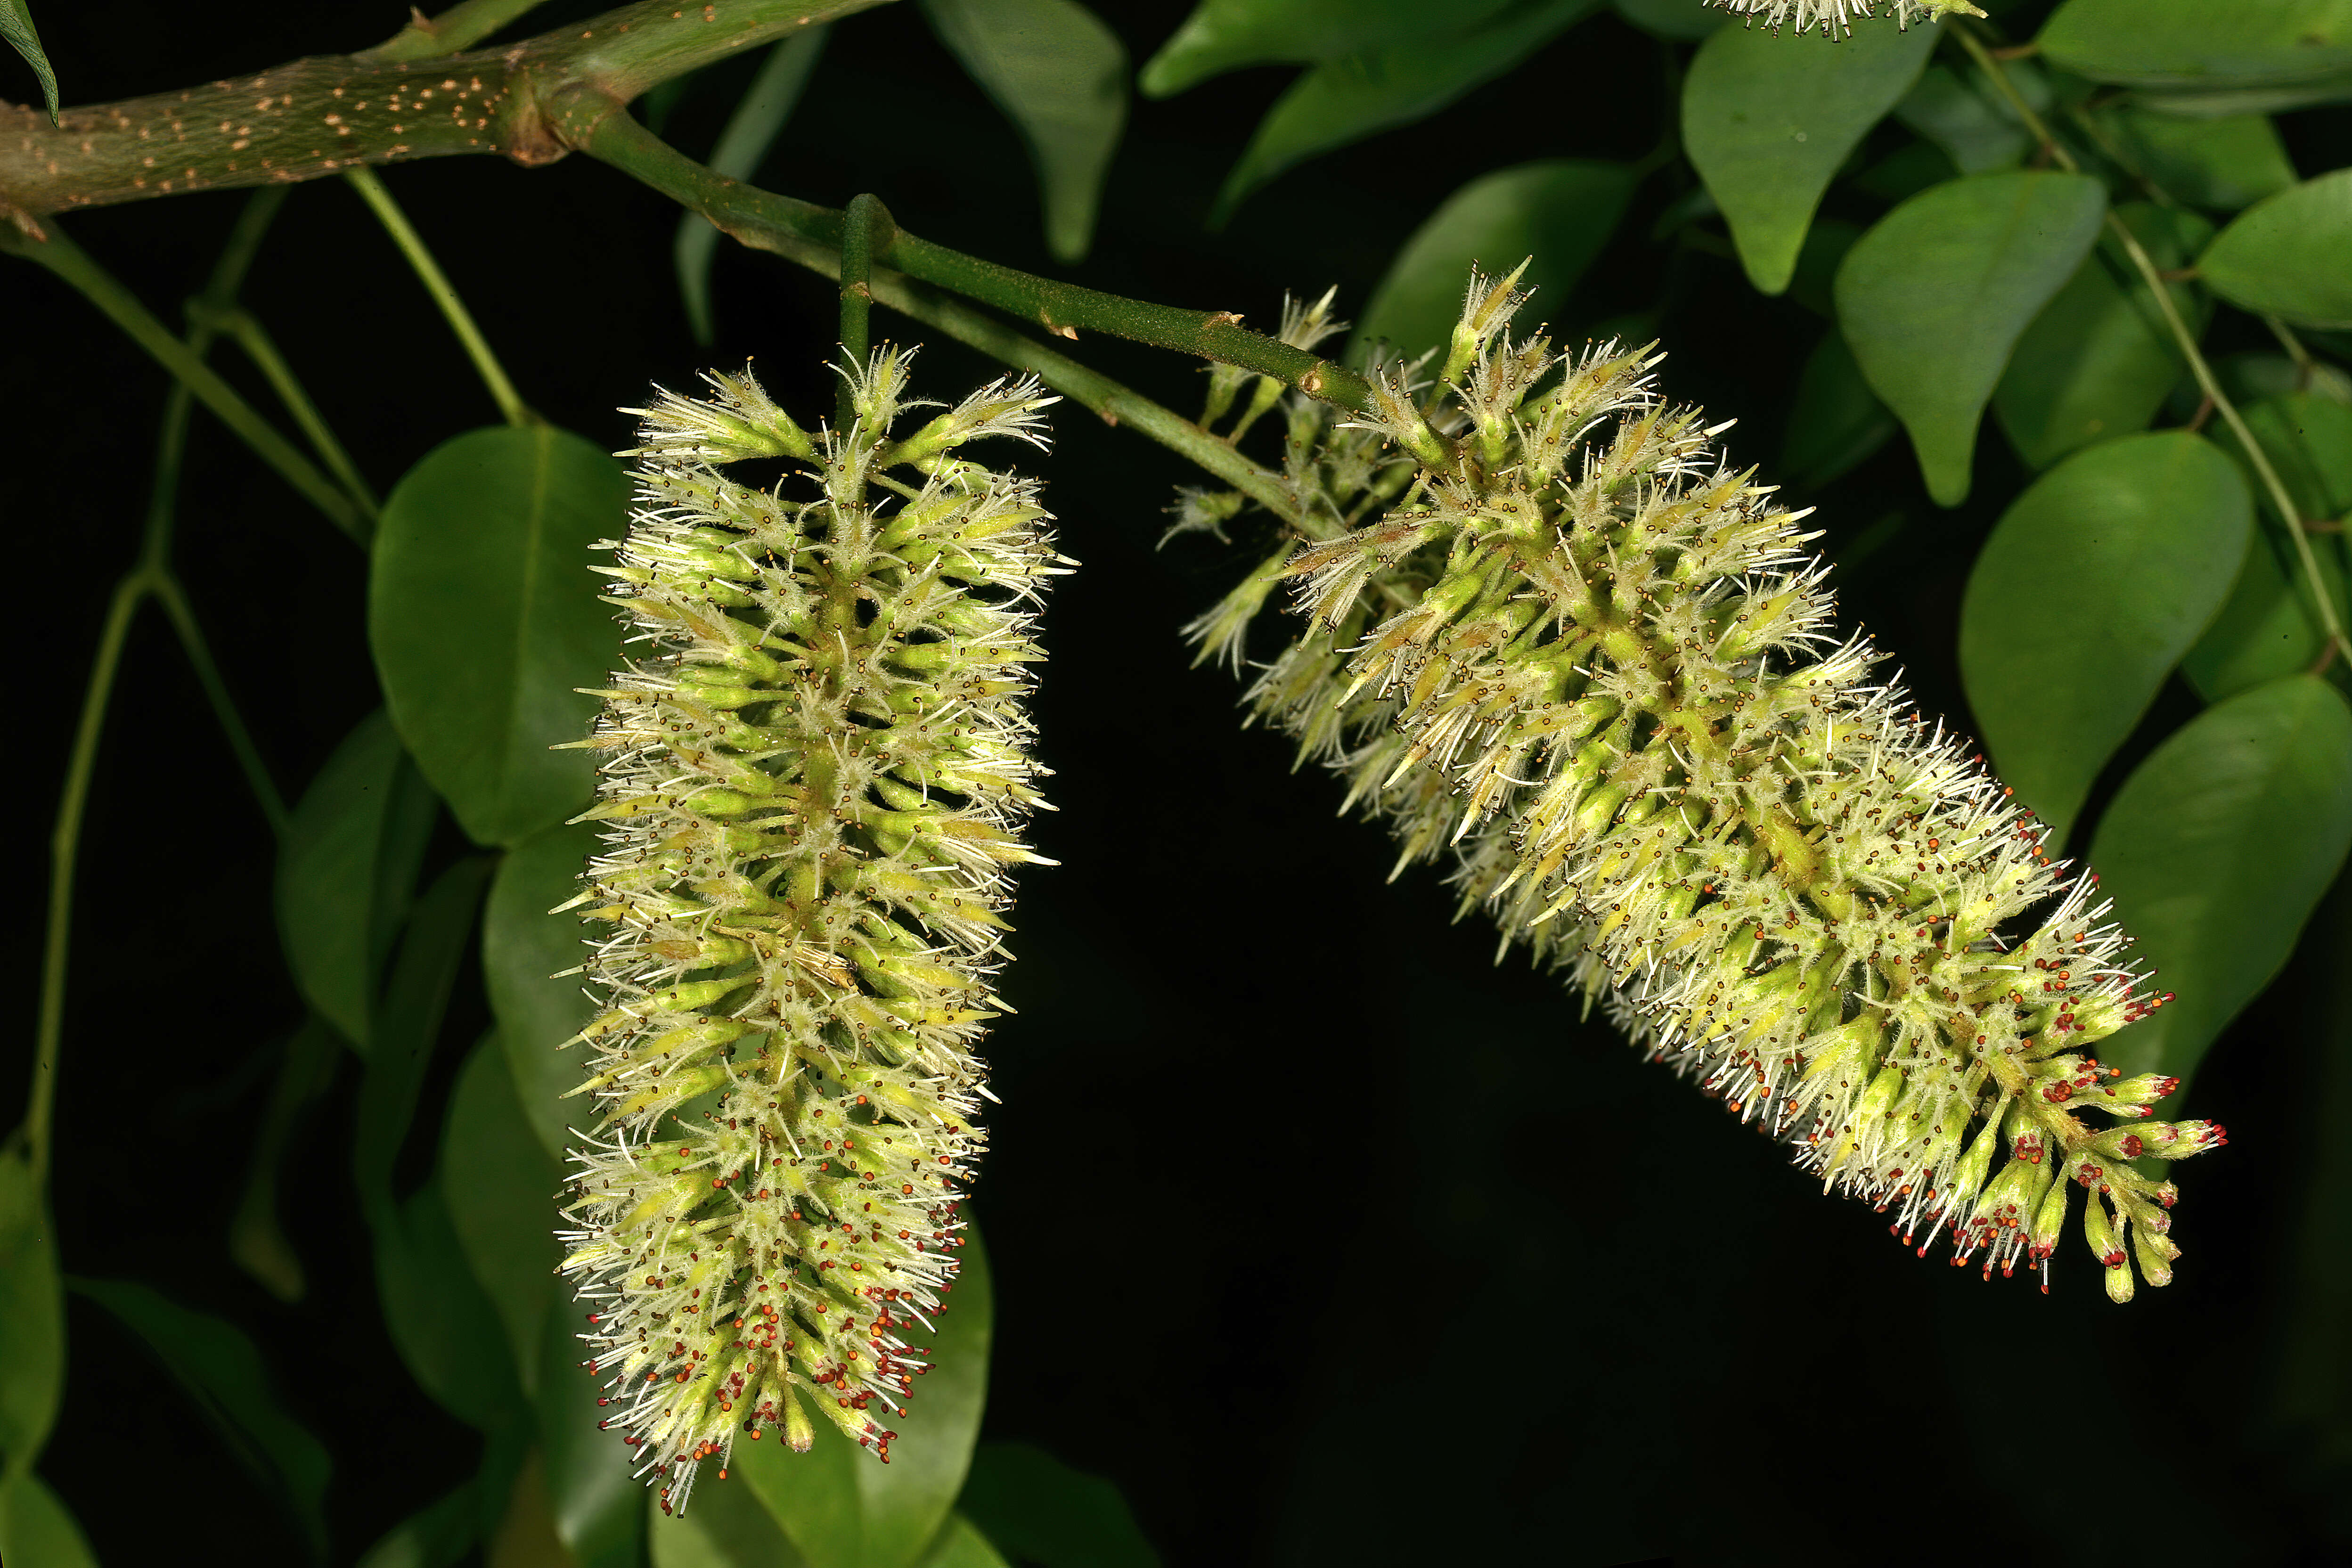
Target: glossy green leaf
x=347, y=869
x=256, y=1239
x=2269, y=627
x=2224, y=163
x=1349, y=98
x=1226, y=35
x=501, y=1188
x=37, y=1530
x=484, y=617
x=2198, y=45
x=1767, y=119
x=218, y=1368
x=31, y=1316
x=2215, y=851
x=1041, y=1510
x=17, y=26
x=1680, y=19
x=442, y=1323
x=2097, y=362
x=599, y=1506
x=436, y=1536
x=1933, y=298
x=759, y=118
x=724, y=1526
x=525, y=951
x=844, y=1508
x=408, y=1026
x=960, y=1544
x=2286, y=256
x=1837, y=423
x=1976, y=127
x=1560, y=211
x=2093, y=583
x=1060, y=75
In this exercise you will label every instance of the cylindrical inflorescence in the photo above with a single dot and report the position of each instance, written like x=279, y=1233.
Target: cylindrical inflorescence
x=813, y=779
x=1835, y=18
x=1553, y=636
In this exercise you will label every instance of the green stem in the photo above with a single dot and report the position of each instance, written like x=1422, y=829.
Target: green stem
x=70, y=263
x=174, y=598
x=247, y=333
x=458, y=28
x=604, y=133
x=2207, y=382
x=866, y=228
x=437, y=283
x=776, y=224
x=65, y=849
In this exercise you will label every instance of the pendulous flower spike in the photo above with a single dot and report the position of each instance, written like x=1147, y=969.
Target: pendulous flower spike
x=813, y=783
x=1554, y=637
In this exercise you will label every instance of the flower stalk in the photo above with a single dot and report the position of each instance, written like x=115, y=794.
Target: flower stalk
x=811, y=797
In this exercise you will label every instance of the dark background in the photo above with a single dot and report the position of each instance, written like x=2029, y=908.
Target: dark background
x=1325, y=1237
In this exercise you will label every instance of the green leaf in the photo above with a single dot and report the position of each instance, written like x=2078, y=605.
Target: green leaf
x=2269, y=627
x=598, y=1505
x=484, y=617
x=2093, y=583
x=217, y=1365
x=17, y=26
x=724, y=1526
x=1042, y=1511
x=1226, y=35
x=845, y=1509
x=37, y=1531
x=1838, y=421
x=2099, y=359
x=2199, y=45
x=2286, y=255
x=408, y=1026
x=437, y=1536
x=2215, y=852
x=1768, y=119
x=1060, y=75
x=346, y=872
x=525, y=952
x=32, y=1316
x=960, y=1544
x=501, y=1188
x=1933, y=298
x=1349, y=98
x=759, y=118
x=1974, y=126
x=2224, y=164
x=1560, y=211
x=445, y=1327
x=1684, y=20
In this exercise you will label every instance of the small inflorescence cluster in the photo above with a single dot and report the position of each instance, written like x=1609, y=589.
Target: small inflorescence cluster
x=1555, y=639
x=1834, y=18
x=811, y=784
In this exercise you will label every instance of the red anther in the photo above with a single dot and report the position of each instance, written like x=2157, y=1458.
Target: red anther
x=2131, y=1146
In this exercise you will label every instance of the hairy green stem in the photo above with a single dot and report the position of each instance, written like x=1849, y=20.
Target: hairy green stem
x=2297, y=529
x=445, y=294
x=866, y=228
x=779, y=224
